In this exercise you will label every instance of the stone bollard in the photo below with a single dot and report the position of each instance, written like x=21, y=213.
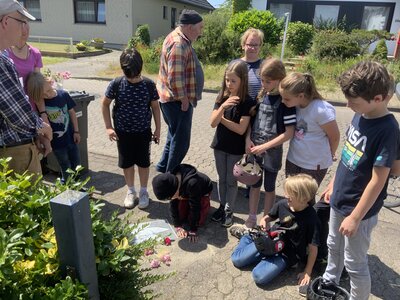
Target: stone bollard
x=73, y=228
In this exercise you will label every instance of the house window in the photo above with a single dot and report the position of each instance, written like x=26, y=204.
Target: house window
x=165, y=12
x=326, y=13
x=33, y=6
x=90, y=11
x=173, y=18
x=375, y=17
x=279, y=9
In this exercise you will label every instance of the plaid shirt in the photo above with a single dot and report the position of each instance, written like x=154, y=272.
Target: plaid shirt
x=17, y=120
x=176, y=79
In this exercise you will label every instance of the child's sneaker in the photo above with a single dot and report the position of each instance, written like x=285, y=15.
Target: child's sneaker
x=129, y=201
x=228, y=218
x=238, y=231
x=143, y=200
x=218, y=215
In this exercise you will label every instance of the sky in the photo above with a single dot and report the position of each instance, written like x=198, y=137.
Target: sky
x=216, y=3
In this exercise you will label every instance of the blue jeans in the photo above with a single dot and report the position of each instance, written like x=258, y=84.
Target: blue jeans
x=67, y=157
x=266, y=269
x=350, y=252
x=178, y=139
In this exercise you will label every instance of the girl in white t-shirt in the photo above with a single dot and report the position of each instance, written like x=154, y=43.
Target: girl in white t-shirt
x=312, y=149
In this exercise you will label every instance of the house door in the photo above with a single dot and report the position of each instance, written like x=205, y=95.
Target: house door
x=173, y=17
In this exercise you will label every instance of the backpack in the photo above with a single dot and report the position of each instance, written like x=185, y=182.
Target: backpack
x=116, y=86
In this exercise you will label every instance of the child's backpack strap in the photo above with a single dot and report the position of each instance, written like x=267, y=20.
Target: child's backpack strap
x=115, y=88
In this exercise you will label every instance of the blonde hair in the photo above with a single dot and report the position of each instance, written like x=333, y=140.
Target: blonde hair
x=239, y=68
x=296, y=83
x=273, y=69
x=249, y=32
x=35, y=86
x=301, y=187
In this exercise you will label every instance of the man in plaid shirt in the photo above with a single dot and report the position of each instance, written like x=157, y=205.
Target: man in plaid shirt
x=19, y=125
x=180, y=84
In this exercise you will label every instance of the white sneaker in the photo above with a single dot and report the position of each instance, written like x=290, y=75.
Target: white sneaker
x=129, y=201
x=143, y=200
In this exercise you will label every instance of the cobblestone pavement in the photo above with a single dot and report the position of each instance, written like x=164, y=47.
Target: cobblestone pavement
x=204, y=270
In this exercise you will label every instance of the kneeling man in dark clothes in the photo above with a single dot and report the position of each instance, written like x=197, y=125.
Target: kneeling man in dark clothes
x=189, y=192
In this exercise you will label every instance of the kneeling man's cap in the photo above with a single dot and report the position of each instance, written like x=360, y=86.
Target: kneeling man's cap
x=9, y=6
x=165, y=185
x=190, y=17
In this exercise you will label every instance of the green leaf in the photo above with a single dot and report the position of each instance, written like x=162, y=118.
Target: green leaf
x=15, y=235
x=28, y=251
x=47, y=245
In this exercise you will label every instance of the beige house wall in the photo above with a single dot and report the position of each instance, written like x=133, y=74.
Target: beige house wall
x=122, y=19
x=58, y=20
x=151, y=12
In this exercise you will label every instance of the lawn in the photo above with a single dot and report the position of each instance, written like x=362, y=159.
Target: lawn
x=50, y=60
x=65, y=48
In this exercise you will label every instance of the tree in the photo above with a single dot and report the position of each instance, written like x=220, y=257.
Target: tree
x=240, y=5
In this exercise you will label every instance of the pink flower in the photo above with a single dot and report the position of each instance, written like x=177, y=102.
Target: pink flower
x=166, y=258
x=155, y=263
x=148, y=252
x=167, y=241
x=66, y=75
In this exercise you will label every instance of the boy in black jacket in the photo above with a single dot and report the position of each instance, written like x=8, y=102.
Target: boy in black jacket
x=185, y=183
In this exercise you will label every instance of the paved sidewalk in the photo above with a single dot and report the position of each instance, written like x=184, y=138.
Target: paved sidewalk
x=204, y=270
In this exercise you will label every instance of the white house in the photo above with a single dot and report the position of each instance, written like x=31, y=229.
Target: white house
x=113, y=20
x=364, y=14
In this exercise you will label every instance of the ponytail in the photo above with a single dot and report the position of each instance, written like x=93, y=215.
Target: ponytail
x=296, y=83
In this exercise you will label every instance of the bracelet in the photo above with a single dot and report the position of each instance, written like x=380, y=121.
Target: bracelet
x=42, y=112
x=192, y=233
x=76, y=132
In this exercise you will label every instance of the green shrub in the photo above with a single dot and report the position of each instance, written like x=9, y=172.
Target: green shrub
x=155, y=49
x=380, y=52
x=98, y=43
x=85, y=42
x=240, y=5
x=333, y=44
x=81, y=47
x=394, y=69
x=98, y=40
x=29, y=266
x=143, y=34
x=263, y=20
x=300, y=36
x=216, y=44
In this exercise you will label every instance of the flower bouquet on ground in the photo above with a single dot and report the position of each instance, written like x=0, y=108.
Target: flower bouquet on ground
x=57, y=78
